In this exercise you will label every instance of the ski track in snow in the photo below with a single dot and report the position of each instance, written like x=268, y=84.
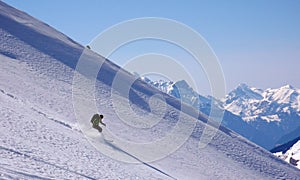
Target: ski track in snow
x=40, y=137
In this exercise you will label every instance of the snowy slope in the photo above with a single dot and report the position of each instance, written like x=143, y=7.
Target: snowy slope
x=290, y=152
x=40, y=136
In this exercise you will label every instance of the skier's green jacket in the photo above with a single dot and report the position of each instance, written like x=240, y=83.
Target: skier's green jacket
x=96, y=119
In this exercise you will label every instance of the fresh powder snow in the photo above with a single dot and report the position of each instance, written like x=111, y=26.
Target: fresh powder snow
x=42, y=138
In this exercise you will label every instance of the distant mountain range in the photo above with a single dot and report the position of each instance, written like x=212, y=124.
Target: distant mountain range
x=270, y=105
x=267, y=117
x=272, y=111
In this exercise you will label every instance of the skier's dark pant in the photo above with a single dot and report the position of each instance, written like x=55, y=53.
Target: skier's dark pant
x=98, y=128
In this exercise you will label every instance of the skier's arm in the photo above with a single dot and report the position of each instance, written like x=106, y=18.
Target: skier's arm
x=102, y=122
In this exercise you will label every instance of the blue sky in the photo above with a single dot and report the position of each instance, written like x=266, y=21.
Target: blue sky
x=257, y=42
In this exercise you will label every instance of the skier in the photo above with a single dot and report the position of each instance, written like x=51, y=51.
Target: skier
x=96, y=119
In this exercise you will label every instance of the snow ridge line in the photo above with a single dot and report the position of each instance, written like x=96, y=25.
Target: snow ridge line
x=38, y=111
x=9, y=95
x=43, y=161
x=146, y=164
x=31, y=176
x=52, y=119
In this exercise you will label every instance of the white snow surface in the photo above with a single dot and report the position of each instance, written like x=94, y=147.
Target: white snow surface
x=41, y=138
x=293, y=152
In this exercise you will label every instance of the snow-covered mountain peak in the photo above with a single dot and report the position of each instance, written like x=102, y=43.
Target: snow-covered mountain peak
x=287, y=87
x=182, y=84
x=240, y=99
x=285, y=95
x=245, y=92
x=243, y=86
x=269, y=104
x=179, y=89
